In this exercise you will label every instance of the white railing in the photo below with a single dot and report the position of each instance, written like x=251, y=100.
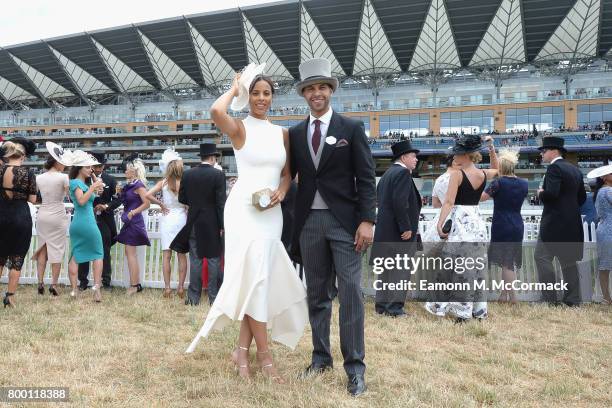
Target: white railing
x=149, y=259
x=151, y=274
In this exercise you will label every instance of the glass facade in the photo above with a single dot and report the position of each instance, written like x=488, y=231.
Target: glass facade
x=286, y=123
x=594, y=115
x=366, y=122
x=478, y=121
x=544, y=118
x=416, y=123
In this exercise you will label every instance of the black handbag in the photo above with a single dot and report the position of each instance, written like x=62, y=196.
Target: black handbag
x=448, y=225
x=419, y=243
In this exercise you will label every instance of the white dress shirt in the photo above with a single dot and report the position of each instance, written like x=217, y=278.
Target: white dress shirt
x=318, y=203
x=325, y=119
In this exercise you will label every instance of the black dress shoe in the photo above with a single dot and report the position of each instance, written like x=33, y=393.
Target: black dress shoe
x=316, y=369
x=189, y=302
x=460, y=320
x=356, y=385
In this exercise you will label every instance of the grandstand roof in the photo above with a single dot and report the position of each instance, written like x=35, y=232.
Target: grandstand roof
x=360, y=37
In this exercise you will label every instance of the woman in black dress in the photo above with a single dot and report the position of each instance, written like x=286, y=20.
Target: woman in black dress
x=17, y=187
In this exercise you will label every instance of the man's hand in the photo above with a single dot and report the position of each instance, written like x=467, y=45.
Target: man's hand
x=364, y=236
x=406, y=235
x=100, y=208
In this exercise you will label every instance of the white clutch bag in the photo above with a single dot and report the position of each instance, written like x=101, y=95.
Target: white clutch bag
x=261, y=199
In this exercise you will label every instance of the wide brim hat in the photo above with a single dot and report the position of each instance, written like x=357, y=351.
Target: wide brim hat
x=82, y=159
x=467, y=144
x=553, y=142
x=59, y=154
x=403, y=147
x=244, y=83
x=600, y=171
x=208, y=149
x=316, y=71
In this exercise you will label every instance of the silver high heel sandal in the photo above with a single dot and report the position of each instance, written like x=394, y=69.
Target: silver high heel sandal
x=239, y=366
x=268, y=370
x=97, y=296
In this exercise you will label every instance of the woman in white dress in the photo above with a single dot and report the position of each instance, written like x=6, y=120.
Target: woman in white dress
x=438, y=195
x=52, y=223
x=174, y=217
x=261, y=287
x=460, y=203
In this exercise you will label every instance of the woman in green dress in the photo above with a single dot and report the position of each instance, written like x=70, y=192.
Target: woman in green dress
x=85, y=238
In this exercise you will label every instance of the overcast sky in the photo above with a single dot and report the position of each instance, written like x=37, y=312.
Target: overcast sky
x=30, y=20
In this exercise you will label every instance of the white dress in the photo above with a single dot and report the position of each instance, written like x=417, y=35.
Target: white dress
x=468, y=226
x=259, y=278
x=439, y=190
x=171, y=223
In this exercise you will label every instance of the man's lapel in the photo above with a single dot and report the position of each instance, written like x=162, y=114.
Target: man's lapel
x=334, y=129
x=302, y=142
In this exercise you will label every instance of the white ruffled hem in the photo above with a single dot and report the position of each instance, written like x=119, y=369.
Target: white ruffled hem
x=265, y=286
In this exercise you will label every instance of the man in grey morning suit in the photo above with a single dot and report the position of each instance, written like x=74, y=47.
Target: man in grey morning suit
x=334, y=218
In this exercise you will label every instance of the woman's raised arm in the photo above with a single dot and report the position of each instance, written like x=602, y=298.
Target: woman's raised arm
x=232, y=127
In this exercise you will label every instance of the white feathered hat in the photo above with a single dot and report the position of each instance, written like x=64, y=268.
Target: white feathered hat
x=246, y=77
x=169, y=155
x=82, y=159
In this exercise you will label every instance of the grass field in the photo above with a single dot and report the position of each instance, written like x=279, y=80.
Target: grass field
x=128, y=351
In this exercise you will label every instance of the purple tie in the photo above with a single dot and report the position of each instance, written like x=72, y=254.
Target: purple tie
x=316, y=136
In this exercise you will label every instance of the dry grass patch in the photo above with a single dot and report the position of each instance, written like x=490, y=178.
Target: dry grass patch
x=128, y=351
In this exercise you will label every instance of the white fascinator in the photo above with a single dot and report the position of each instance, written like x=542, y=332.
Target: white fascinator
x=246, y=78
x=169, y=155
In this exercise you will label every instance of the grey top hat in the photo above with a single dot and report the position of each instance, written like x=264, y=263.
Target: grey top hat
x=316, y=71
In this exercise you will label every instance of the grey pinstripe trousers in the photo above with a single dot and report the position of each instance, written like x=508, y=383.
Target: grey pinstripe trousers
x=326, y=246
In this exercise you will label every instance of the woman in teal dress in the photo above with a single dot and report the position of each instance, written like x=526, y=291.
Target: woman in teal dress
x=85, y=237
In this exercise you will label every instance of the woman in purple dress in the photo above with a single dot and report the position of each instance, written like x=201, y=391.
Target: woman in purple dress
x=133, y=232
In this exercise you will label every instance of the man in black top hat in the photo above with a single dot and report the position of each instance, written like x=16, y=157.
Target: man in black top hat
x=203, y=190
x=561, y=233
x=399, y=207
x=104, y=207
